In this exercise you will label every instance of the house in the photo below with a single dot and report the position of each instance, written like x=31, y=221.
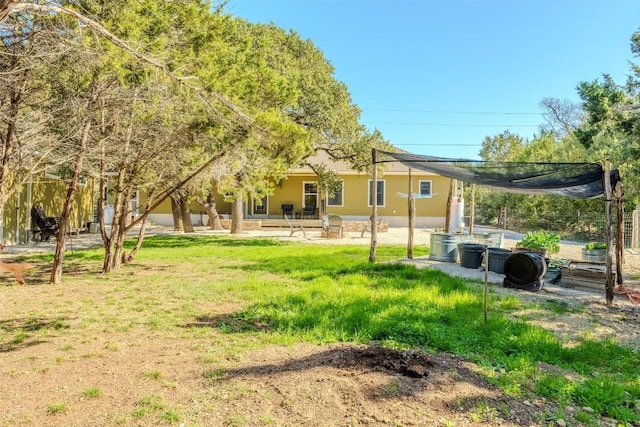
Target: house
x=49, y=192
x=352, y=202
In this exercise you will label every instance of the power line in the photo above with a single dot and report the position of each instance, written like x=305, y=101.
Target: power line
x=453, y=112
x=429, y=144
x=453, y=124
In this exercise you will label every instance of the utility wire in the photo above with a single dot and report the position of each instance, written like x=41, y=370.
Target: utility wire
x=453, y=124
x=512, y=113
x=437, y=144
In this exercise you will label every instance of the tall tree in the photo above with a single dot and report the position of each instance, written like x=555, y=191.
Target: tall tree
x=611, y=129
x=561, y=116
x=504, y=147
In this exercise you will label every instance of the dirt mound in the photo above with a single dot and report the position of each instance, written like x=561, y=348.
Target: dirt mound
x=371, y=385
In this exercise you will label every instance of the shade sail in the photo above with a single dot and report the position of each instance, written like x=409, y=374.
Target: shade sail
x=574, y=180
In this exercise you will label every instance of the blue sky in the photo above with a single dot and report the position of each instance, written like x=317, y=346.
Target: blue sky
x=437, y=77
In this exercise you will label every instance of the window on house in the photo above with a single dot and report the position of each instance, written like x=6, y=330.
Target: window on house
x=135, y=201
x=310, y=196
x=380, y=199
x=337, y=198
x=425, y=188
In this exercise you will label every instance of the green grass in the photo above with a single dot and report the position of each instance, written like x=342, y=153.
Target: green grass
x=92, y=393
x=291, y=292
x=56, y=408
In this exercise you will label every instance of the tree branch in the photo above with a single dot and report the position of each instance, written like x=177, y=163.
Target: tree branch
x=9, y=6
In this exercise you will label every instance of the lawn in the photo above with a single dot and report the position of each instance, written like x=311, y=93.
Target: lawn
x=171, y=339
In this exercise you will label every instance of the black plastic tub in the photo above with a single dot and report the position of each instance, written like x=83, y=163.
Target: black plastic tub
x=470, y=254
x=497, y=257
x=525, y=270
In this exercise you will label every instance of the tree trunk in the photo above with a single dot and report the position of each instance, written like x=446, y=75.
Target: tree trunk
x=619, y=191
x=176, y=212
x=237, y=216
x=120, y=232
x=121, y=206
x=128, y=258
x=56, y=270
x=163, y=196
x=185, y=213
x=209, y=207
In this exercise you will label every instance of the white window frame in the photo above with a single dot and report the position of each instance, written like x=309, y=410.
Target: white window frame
x=370, y=196
x=135, y=202
x=427, y=196
x=341, y=204
x=304, y=193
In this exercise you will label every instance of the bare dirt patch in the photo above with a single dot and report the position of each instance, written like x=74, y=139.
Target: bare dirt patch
x=354, y=385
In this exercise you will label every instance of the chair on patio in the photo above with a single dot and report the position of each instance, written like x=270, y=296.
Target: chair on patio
x=367, y=226
x=333, y=226
x=287, y=210
x=48, y=225
x=295, y=227
x=309, y=210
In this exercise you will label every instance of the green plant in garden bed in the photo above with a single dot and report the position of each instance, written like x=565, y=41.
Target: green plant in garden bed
x=595, y=245
x=540, y=240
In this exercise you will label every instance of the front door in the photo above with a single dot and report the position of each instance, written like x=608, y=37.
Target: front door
x=260, y=207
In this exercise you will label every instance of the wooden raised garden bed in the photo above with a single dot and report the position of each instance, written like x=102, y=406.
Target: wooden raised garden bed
x=584, y=274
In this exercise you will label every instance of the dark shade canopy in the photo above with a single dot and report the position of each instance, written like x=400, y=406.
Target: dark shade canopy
x=575, y=180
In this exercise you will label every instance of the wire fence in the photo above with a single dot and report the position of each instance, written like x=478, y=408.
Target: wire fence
x=577, y=226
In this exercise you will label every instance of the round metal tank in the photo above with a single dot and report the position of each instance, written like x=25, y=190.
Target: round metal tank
x=444, y=246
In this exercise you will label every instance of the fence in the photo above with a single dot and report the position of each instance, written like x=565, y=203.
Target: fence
x=578, y=226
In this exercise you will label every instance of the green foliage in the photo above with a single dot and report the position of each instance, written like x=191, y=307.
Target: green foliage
x=555, y=387
x=608, y=396
x=609, y=129
x=536, y=240
x=595, y=245
x=504, y=147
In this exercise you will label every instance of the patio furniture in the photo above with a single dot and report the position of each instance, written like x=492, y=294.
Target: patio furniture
x=287, y=210
x=309, y=210
x=333, y=226
x=295, y=227
x=367, y=226
x=48, y=225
